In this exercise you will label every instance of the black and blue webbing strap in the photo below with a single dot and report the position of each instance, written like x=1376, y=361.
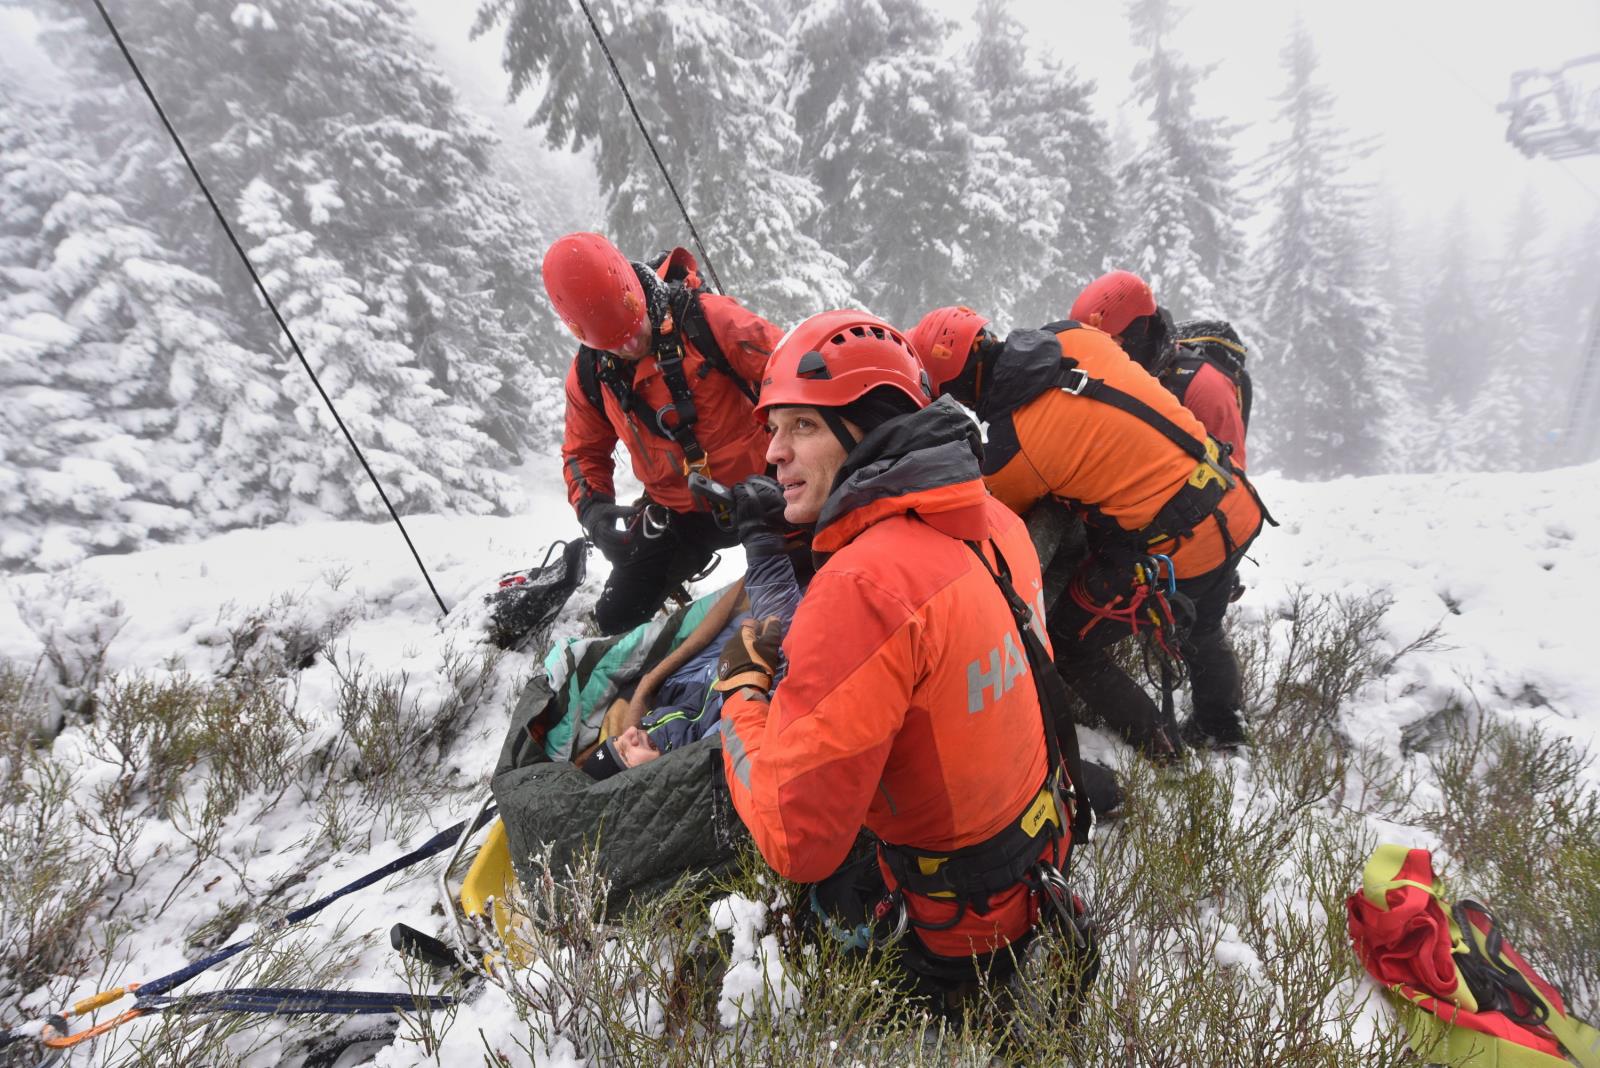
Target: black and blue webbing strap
x=151, y=996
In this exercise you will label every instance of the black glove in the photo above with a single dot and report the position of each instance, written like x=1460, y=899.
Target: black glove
x=758, y=506
x=751, y=656
x=610, y=526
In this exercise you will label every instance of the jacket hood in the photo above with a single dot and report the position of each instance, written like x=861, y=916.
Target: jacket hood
x=926, y=462
x=1025, y=367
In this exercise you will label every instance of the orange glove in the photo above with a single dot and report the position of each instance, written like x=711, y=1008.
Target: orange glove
x=751, y=656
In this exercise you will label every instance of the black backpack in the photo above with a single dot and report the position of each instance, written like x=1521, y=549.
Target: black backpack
x=1214, y=342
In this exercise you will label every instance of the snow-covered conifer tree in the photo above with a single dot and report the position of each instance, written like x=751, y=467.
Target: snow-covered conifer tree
x=1181, y=211
x=333, y=104
x=102, y=332
x=421, y=445
x=1514, y=417
x=1454, y=321
x=1320, y=379
x=1410, y=439
x=1044, y=157
x=707, y=84
x=1576, y=306
x=880, y=110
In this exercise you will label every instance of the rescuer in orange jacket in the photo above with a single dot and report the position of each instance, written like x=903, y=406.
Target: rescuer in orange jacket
x=1121, y=304
x=909, y=707
x=1071, y=416
x=672, y=373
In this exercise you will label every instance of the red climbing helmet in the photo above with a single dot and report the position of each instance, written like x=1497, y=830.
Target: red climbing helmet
x=943, y=341
x=837, y=357
x=1119, y=297
x=594, y=290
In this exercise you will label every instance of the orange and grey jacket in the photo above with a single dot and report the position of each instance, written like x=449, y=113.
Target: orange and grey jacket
x=734, y=443
x=1114, y=467
x=909, y=707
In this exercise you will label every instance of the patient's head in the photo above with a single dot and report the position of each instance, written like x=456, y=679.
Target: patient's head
x=635, y=747
x=627, y=750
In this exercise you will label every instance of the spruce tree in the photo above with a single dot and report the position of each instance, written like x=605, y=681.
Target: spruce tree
x=1516, y=416
x=105, y=339
x=1454, y=322
x=706, y=85
x=1181, y=224
x=330, y=103
x=1576, y=300
x=882, y=116
x=1410, y=438
x=1328, y=325
x=419, y=444
x=1048, y=154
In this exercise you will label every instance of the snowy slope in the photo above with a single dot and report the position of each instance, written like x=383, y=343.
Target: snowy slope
x=1504, y=563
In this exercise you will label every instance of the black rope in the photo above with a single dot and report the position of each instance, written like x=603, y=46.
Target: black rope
x=716, y=281
x=227, y=229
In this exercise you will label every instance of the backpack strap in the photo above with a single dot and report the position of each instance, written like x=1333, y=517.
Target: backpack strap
x=589, y=377
x=1054, y=704
x=1502, y=981
x=600, y=369
x=691, y=320
x=1214, y=472
x=1075, y=380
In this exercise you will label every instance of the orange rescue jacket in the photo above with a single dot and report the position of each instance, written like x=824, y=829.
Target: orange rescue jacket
x=909, y=707
x=735, y=444
x=1112, y=466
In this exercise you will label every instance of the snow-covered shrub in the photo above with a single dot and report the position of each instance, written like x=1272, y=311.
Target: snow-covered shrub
x=74, y=623
x=385, y=761
x=53, y=876
x=1518, y=812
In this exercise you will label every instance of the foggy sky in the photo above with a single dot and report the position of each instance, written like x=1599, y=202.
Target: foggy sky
x=1424, y=76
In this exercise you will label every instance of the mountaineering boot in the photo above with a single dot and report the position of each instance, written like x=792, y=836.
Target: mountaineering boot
x=1101, y=790
x=1224, y=733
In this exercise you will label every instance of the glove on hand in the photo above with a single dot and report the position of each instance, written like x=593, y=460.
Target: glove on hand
x=758, y=506
x=751, y=656
x=608, y=526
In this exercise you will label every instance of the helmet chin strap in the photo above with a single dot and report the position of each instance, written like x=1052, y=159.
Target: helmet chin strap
x=835, y=422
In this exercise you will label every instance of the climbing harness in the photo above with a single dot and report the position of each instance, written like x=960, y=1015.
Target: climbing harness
x=683, y=327
x=1201, y=495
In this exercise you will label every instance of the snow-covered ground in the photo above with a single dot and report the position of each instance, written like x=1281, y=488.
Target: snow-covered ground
x=1504, y=564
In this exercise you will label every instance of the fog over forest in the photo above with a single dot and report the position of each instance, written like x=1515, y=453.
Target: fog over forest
x=1417, y=295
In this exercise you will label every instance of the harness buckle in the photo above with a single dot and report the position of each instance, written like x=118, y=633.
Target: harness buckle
x=661, y=420
x=1078, y=385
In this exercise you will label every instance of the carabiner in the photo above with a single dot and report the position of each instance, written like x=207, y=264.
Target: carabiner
x=654, y=524
x=1172, y=572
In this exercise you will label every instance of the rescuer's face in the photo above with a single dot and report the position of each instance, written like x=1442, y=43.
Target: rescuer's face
x=807, y=456
x=638, y=347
